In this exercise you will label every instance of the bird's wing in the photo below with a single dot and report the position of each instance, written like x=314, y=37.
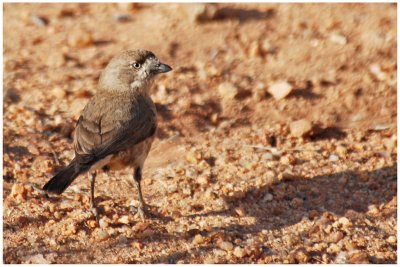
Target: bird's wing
x=110, y=124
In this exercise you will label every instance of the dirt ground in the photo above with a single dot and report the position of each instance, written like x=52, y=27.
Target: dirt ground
x=277, y=134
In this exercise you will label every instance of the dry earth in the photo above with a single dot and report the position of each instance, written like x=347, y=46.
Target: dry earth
x=277, y=140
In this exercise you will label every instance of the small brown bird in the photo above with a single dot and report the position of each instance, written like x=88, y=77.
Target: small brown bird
x=117, y=126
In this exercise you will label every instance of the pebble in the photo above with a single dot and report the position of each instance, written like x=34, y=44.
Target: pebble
x=346, y=223
x=18, y=190
x=225, y=245
x=239, y=252
x=124, y=219
x=300, y=127
x=80, y=39
x=38, y=259
x=338, y=39
x=255, y=49
x=101, y=235
x=288, y=160
x=376, y=70
x=198, y=239
x=39, y=20
x=392, y=240
x=202, y=12
x=359, y=258
x=121, y=17
x=127, y=6
x=240, y=211
x=333, y=158
x=227, y=90
x=268, y=197
x=302, y=256
x=280, y=89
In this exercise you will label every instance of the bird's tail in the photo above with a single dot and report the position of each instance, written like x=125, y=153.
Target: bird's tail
x=63, y=179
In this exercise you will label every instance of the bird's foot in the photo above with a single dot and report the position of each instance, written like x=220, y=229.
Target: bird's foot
x=144, y=212
x=95, y=213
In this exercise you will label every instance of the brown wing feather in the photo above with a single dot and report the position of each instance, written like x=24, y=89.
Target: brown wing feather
x=107, y=127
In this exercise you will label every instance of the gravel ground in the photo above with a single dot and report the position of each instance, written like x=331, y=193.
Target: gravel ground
x=277, y=140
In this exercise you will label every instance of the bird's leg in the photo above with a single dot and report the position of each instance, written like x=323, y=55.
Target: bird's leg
x=93, y=208
x=142, y=205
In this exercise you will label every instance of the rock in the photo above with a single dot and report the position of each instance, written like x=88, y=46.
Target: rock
x=392, y=240
x=38, y=259
x=240, y=211
x=255, y=50
x=359, y=258
x=267, y=197
x=288, y=160
x=121, y=17
x=124, y=219
x=80, y=39
x=225, y=245
x=337, y=39
x=301, y=255
x=376, y=70
x=239, y=252
x=125, y=6
x=18, y=190
x=39, y=20
x=198, y=239
x=300, y=128
x=296, y=202
x=333, y=158
x=280, y=89
x=346, y=223
x=101, y=235
x=227, y=90
x=201, y=12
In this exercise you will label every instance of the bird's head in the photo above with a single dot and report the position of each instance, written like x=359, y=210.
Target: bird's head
x=132, y=70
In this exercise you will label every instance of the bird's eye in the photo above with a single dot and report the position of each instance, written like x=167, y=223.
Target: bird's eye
x=136, y=65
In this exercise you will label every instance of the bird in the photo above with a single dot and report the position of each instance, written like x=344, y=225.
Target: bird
x=117, y=126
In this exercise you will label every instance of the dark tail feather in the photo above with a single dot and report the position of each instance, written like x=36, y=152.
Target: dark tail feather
x=63, y=179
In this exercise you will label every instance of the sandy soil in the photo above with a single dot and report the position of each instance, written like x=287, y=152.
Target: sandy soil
x=236, y=174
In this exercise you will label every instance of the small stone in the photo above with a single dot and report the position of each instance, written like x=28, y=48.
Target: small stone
x=198, y=239
x=376, y=70
x=288, y=160
x=255, y=49
x=338, y=39
x=125, y=6
x=240, y=211
x=239, y=252
x=333, y=158
x=301, y=255
x=18, y=190
x=335, y=237
x=341, y=150
x=300, y=128
x=392, y=240
x=39, y=20
x=346, y=223
x=80, y=39
x=202, y=12
x=140, y=227
x=359, y=258
x=120, y=17
x=227, y=90
x=101, y=235
x=92, y=224
x=203, y=180
x=268, y=197
x=103, y=223
x=124, y=219
x=280, y=89
x=225, y=245
x=38, y=259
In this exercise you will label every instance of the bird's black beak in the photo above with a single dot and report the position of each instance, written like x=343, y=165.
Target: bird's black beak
x=162, y=68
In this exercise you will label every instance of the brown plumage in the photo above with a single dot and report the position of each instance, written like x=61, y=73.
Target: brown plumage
x=118, y=124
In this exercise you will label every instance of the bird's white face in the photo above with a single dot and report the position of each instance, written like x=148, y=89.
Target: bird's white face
x=132, y=70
